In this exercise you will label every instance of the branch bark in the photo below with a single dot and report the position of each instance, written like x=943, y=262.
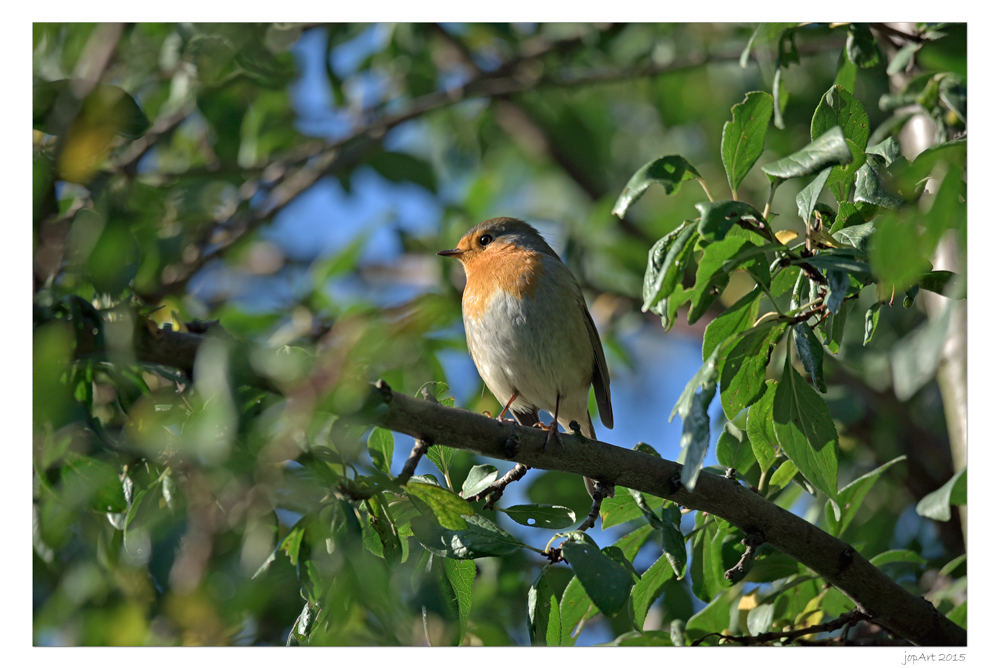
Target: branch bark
x=874, y=593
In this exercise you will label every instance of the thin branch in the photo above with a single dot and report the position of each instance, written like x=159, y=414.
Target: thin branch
x=601, y=491
x=349, y=151
x=493, y=493
x=846, y=620
x=752, y=541
x=420, y=448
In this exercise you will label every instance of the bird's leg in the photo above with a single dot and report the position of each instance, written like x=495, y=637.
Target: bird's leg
x=507, y=407
x=554, y=427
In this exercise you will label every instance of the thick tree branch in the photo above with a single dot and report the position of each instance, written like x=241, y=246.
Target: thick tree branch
x=872, y=591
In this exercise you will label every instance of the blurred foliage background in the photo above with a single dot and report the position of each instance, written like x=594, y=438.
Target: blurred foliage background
x=292, y=182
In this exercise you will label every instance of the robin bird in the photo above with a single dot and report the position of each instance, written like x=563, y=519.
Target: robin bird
x=528, y=328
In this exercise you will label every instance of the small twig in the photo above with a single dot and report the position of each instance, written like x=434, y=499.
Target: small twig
x=889, y=30
x=752, y=540
x=420, y=449
x=847, y=619
x=601, y=491
x=493, y=493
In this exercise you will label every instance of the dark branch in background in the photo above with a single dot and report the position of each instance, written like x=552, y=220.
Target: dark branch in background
x=529, y=133
x=846, y=620
x=295, y=177
x=872, y=591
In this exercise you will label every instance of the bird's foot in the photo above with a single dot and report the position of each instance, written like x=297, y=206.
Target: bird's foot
x=553, y=430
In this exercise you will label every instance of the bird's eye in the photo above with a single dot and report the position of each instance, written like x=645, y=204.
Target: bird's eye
x=485, y=239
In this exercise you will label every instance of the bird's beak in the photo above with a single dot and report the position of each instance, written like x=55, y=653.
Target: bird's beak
x=454, y=252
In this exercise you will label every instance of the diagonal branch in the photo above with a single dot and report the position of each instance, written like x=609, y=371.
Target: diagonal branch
x=874, y=593
x=340, y=156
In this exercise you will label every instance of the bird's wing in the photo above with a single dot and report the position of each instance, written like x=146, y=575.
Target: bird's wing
x=601, y=380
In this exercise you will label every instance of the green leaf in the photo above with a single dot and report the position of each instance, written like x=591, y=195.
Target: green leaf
x=838, y=283
x=826, y=150
x=733, y=449
x=838, y=107
x=842, y=259
x=717, y=217
x=735, y=319
x=541, y=515
x=713, y=618
x=441, y=456
x=848, y=215
x=862, y=50
x=641, y=639
x=852, y=495
x=460, y=574
x=385, y=529
x=870, y=185
x=672, y=540
x=760, y=428
x=937, y=505
x=665, y=267
x=806, y=432
x=619, y=509
x=940, y=282
x=480, y=477
x=105, y=105
x=835, y=327
x=670, y=171
x=744, y=369
x=897, y=556
x=871, y=321
x=93, y=483
x=544, y=624
x=784, y=474
x=743, y=137
x=810, y=352
x=787, y=55
x=716, y=267
x=693, y=409
x=808, y=196
x=380, y=446
x=759, y=619
x=649, y=587
x=859, y=236
x=952, y=153
x=447, y=508
x=847, y=74
x=481, y=538
x=606, y=582
x=575, y=606
x=959, y=614
x=948, y=211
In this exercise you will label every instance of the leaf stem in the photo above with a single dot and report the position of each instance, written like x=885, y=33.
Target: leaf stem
x=760, y=284
x=770, y=197
x=704, y=186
